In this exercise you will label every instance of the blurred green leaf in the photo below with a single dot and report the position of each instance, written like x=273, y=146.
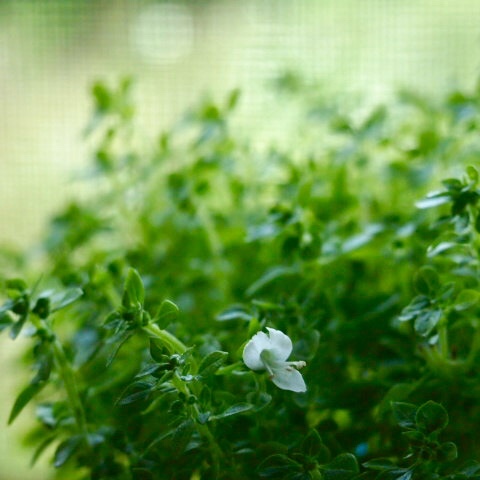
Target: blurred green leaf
x=24, y=398
x=134, y=292
x=466, y=299
x=427, y=281
x=342, y=467
x=233, y=410
x=431, y=417
x=65, y=450
x=427, y=320
x=63, y=299
x=405, y=414
x=211, y=363
x=166, y=314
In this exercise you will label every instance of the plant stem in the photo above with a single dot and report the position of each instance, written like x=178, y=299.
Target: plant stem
x=174, y=345
x=68, y=376
x=171, y=342
x=216, y=451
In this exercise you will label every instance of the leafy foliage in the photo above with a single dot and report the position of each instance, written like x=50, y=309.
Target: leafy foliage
x=189, y=244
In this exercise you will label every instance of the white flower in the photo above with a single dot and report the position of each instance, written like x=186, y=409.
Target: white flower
x=269, y=352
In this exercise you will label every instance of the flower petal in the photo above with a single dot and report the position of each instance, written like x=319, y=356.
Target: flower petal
x=281, y=345
x=253, y=349
x=287, y=377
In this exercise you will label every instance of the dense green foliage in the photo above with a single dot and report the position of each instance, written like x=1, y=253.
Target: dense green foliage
x=187, y=245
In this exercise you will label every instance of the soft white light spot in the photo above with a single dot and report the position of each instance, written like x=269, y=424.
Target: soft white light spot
x=163, y=33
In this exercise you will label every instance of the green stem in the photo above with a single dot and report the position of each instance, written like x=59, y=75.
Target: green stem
x=68, y=376
x=174, y=345
x=171, y=342
x=216, y=451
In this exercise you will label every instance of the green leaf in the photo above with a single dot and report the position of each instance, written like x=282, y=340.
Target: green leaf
x=103, y=97
x=116, y=342
x=6, y=319
x=65, y=450
x=65, y=298
x=431, y=417
x=471, y=468
x=448, y=452
x=361, y=239
x=452, y=184
x=312, y=444
x=40, y=449
x=141, y=391
x=157, y=351
x=232, y=99
x=415, y=437
x=404, y=414
x=212, y=362
x=342, y=467
x=167, y=313
x=235, y=312
x=427, y=321
x=447, y=292
x=42, y=307
x=278, y=464
x=203, y=417
x=434, y=200
x=437, y=248
x=270, y=276
x=466, y=299
x=17, y=327
x=344, y=461
x=380, y=464
x=43, y=365
x=21, y=305
x=24, y=398
x=397, y=393
x=133, y=292
x=47, y=413
x=15, y=286
x=416, y=306
x=472, y=173
x=427, y=281
x=407, y=475
x=233, y=410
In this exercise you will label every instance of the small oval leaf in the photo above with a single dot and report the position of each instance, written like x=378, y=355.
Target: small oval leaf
x=212, y=362
x=65, y=298
x=167, y=313
x=133, y=292
x=431, y=417
x=65, y=450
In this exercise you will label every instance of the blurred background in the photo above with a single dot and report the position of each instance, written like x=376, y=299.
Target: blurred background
x=51, y=51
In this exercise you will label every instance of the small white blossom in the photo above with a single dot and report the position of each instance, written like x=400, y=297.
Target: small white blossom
x=269, y=352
